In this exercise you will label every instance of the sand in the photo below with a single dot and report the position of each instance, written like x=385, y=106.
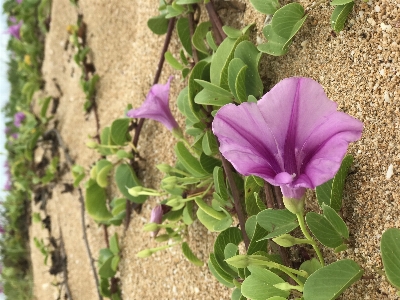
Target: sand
x=358, y=68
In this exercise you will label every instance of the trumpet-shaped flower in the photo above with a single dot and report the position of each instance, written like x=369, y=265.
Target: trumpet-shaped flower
x=14, y=30
x=19, y=117
x=293, y=137
x=156, y=106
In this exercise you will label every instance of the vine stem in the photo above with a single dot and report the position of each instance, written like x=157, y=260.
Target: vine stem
x=238, y=206
x=216, y=22
x=300, y=218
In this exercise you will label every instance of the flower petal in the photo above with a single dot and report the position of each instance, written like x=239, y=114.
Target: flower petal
x=156, y=106
x=247, y=141
x=292, y=137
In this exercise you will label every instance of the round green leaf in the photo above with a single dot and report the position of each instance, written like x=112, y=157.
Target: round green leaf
x=329, y=282
x=390, y=248
x=260, y=284
x=95, y=203
x=267, y=7
x=190, y=256
x=339, y=16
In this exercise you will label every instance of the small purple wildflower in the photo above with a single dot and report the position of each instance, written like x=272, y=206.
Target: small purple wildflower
x=293, y=137
x=14, y=30
x=18, y=1
x=19, y=117
x=156, y=106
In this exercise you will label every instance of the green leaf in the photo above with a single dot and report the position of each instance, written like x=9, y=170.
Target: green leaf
x=251, y=99
x=288, y=20
x=174, y=10
x=218, y=273
x=103, y=168
x=208, y=163
x=336, y=221
x=115, y=262
x=182, y=27
x=105, y=287
x=323, y=230
x=96, y=203
x=159, y=24
x=390, y=249
x=45, y=104
x=105, y=270
x=187, y=214
x=276, y=44
x=284, y=25
x=231, y=235
x=209, y=210
x=255, y=243
x=329, y=282
x=236, y=79
x=231, y=250
x=220, y=183
x=104, y=139
x=251, y=187
x=210, y=41
x=190, y=256
x=199, y=36
x=199, y=71
x=126, y=177
x=114, y=245
x=232, y=32
x=340, y=2
x=310, y=266
x=331, y=192
x=339, y=16
x=210, y=144
x=249, y=54
x=205, y=219
x=221, y=59
x=184, y=60
x=277, y=222
x=260, y=284
x=189, y=161
x=174, y=63
x=185, y=106
x=206, y=97
x=268, y=7
x=213, y=88
x=223, y=224
x=119, y=130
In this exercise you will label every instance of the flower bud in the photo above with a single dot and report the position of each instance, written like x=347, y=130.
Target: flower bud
x=156, y=218
x=285, y=240
x=165, y=168
x=92, y=145
x=150, y=227
x=135, y=191
x=144, y=253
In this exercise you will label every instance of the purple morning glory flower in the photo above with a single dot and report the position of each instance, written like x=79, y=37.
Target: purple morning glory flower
x=156, y=106
x=293, y=137
x=8, y=185
x=14, y=30
x=19, y=117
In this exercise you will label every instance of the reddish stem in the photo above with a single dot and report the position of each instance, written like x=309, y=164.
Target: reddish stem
x=235, y=193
